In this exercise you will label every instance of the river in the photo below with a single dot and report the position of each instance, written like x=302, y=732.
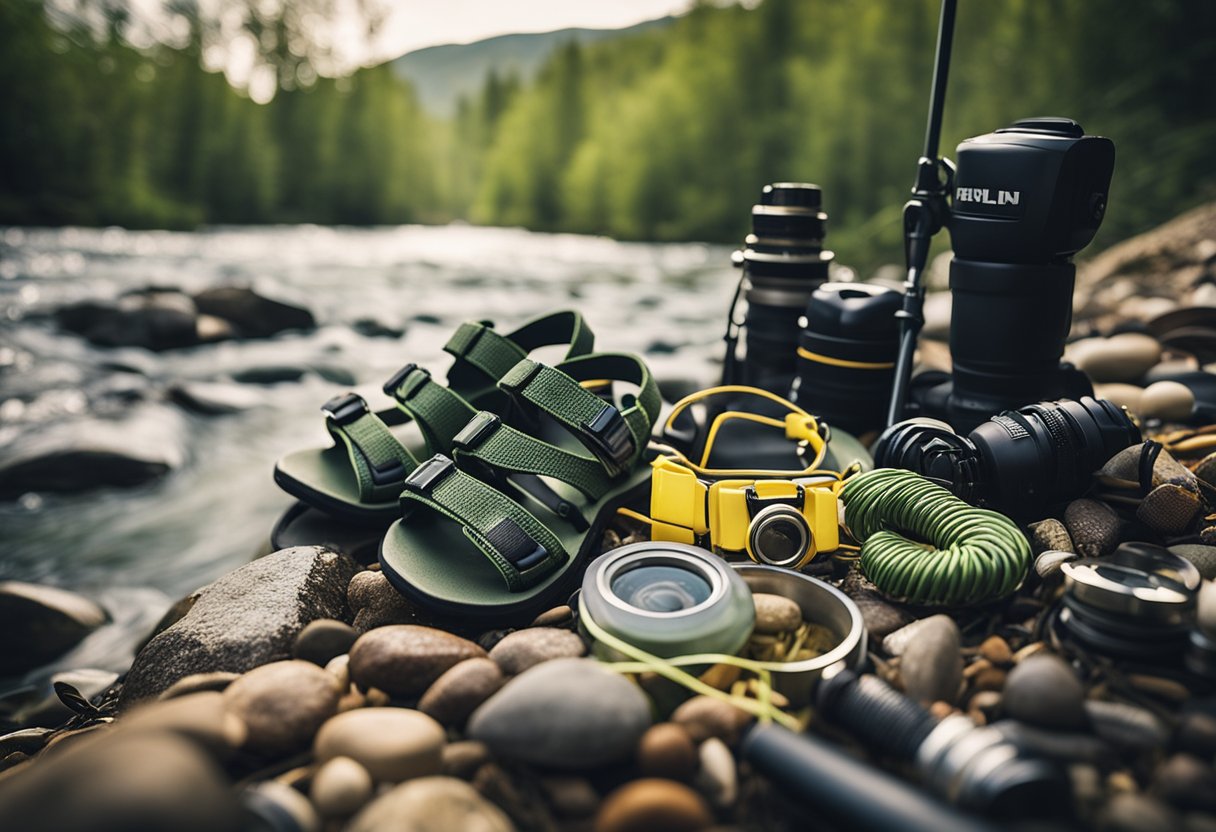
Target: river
x=136, y=550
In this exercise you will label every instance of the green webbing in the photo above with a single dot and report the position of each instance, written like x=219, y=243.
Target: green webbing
x=478, y=344
x=565, y=327
x=369, y=443
x=557, y=392
x=478, y=508
x=439, y=412
x=507, y=449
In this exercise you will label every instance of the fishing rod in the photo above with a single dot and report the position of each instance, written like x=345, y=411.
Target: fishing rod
x=924, y=215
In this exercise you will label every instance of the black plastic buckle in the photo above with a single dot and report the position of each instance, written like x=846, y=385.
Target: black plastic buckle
x=518, y=547
x=522, y=382
x=755, y=502
x=429, y=474
x=476, y=431
x=610, y=436
x=390, y=472
x=391, y=386
x=345, y=408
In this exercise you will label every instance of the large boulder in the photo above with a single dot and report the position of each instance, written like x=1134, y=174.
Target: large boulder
x=247, y=618
x=157, y=320
x=253, y=315
x=85, y=453
x=40, y=623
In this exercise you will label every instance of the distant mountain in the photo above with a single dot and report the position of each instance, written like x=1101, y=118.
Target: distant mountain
x=442, y=74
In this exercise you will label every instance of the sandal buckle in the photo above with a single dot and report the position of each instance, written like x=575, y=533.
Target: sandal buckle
x=476, y=431
x=345, y=408
x=387, y=473
x=429, y=474
x=610, y=436
x=393, y=385
x=514, y=544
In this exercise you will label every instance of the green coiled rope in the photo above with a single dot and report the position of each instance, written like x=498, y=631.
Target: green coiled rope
x=973, y=554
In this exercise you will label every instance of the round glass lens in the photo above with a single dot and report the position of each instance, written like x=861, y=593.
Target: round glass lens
x=780, y=539
x=661, y=588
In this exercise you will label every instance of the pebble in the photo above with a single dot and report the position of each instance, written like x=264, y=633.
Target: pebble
x=375, y=603
x=1169, y=508
x=667, y=750
x=431, y=804
x=460, y=690
x=1204, y=557
x=718, y=779
x=1043, y=690
x=1186, y=782
x=570, y=797
x=705, y=717
x=1048, y=563
x=1126, y=726
x=283, y=704
x=555, y=617
x=1160, y=687
x=776, y=614
x=406, y=659
x=281, y=808
x=525, y=648
x=1136, y=813
x=499, y=786
x=1121, y=358
x=996, y=650
x=322, y=640
x=1050, y=534
x=339, y=668
x=985, y=703
x=990, y=678
x=340, y=787
x=393, y=744
x=652, y=804
x=1169, y=401
x=565, y=712
x=932, y=666
x=41, y=623
x=1123, y=395
x=463, y=758
x=202, y=717
x=1196, y=733
x=1093, y=527
x=895, y=643
x=199, y=682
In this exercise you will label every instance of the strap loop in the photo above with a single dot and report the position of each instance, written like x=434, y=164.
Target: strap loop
x=379, y=460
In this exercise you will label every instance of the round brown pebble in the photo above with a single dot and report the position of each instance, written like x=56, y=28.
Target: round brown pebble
x=555, y=617
x=996, y=650
x=393, y=744
x=322, y=640
x=522, y=649
x=776, y=614
x=340, y=787
x=653, y=805
x=406, y=659
x=458, y=692
x=705, y=717
x=666, y=750
x=283, y=704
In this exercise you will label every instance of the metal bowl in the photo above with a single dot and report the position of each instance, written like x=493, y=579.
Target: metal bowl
x=821, y=604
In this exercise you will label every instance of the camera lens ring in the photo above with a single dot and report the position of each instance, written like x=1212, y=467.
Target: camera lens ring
x=606, y=579
x=769, y=521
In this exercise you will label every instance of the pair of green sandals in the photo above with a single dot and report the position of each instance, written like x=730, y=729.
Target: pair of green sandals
x=501, y=481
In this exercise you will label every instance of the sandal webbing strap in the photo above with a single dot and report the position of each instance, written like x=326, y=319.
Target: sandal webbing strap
x=519, y=545
x=440, y=412
x=476, y=344
x=489, y=442
x=616, y=437
x=380, y=462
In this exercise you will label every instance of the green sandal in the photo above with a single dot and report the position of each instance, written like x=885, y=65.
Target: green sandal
x=472, y=542
x=359, y=477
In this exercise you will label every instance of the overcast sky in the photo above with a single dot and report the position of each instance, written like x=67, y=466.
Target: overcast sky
x=413, y=24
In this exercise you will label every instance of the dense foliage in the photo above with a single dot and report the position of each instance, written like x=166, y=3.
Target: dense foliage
x=664, y=134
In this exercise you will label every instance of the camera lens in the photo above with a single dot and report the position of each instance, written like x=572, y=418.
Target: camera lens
x=1019, y=462
x=669, y=599
x=661, y=588
x=779, y=535
x=784, y=261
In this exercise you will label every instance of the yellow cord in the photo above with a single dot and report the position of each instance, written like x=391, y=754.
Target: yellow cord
x=634, y=515
x=844, y=362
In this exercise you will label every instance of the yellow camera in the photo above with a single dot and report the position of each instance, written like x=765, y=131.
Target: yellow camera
x=781, y=518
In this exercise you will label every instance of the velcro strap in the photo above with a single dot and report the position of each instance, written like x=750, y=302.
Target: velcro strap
x=502, y=448
x=616, y=437
x=381, y=463
x=439, y=412
x=519, y=545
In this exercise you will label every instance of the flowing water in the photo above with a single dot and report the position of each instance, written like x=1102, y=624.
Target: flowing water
x=136, y=550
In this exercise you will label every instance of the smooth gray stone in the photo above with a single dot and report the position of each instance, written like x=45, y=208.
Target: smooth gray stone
x=566, y=712
x=1043, y=690
x=253, y=315
x=247, y=618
